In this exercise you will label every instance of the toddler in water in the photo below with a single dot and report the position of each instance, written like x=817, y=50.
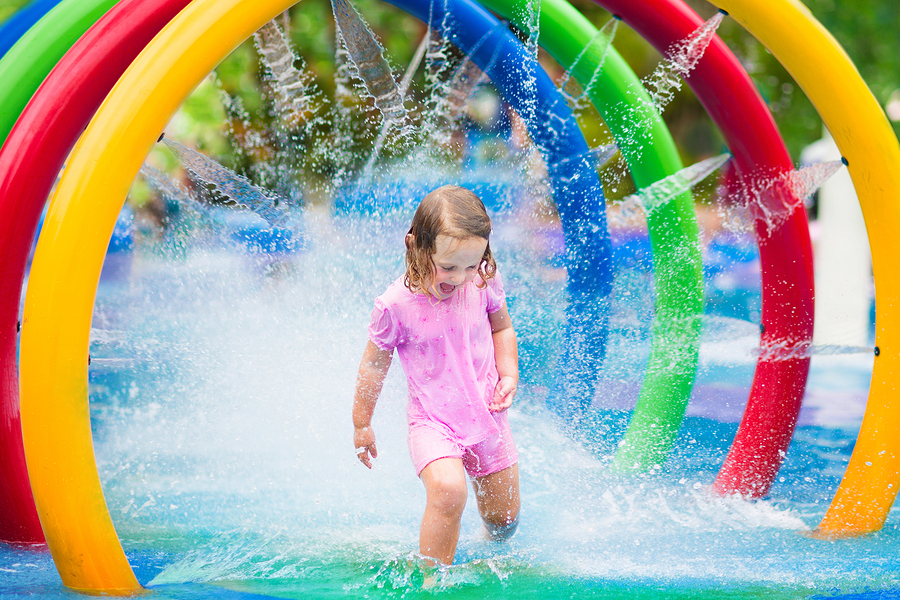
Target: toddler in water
x=447, y=319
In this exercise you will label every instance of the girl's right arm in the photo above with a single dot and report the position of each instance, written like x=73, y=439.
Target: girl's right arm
x=372, y=370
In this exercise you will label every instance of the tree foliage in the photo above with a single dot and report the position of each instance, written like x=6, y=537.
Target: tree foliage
x=864, y=28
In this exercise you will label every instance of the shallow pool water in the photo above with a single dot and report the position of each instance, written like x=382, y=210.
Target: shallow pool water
x=221, y=385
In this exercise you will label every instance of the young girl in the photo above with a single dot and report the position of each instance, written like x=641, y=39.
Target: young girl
x=447, y=319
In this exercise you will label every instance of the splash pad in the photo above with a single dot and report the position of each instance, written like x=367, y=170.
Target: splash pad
x=52, y=489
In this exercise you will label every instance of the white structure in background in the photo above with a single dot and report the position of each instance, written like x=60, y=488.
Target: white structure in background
x=843, y=262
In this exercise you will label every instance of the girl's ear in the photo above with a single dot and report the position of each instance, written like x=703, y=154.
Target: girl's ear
x=409, y=240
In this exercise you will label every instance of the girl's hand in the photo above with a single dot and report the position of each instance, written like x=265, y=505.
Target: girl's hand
x=364, y=442
x=503, y=394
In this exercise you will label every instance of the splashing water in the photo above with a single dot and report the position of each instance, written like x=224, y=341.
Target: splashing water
x=653, y=197
x=173, y=191
x=367, y=57
x=387, y=125
x=296, y=97
x=246, y=141
x=231, y=463
x=530, y=17
x=598, y=48
x=597, y=156
x=533, y=26
x=657, y=195
x=643, y=113
x=342, y=122
x=774, y=199
x=437, y=55
x=779, y=350
x=274, y=154
x=271, y=209
x=466, y=79
x=414, y=63
x=451, y=84
x=682, y=57
x=718, y=330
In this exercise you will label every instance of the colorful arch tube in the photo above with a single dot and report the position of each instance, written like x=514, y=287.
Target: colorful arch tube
x=731, y=99
x=26, y=64
x=865, y=138
x=30, y=161
x=21, y=21
x=50, y=421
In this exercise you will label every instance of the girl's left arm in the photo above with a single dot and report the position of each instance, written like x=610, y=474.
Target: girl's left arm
x=506, y=355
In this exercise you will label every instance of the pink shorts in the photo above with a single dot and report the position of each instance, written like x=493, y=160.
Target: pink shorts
x=427, y=443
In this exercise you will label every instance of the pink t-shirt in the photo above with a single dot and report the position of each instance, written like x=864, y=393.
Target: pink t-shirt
x=447, y=353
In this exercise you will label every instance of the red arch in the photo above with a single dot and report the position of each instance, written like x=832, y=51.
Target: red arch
x=30, y=159
x=732, y=101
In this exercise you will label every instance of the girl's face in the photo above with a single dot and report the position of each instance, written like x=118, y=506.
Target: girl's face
x=456, y=262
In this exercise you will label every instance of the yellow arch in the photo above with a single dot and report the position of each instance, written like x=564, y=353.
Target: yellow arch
x=861, y=130
x=66, y=268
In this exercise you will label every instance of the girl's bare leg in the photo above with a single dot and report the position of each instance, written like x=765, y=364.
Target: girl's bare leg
x=446, y=491
x=498, y=501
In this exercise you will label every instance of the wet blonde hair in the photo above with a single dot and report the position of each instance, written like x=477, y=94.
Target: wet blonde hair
x=452, y=211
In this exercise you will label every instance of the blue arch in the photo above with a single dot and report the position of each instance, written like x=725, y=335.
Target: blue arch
x=21, y=21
